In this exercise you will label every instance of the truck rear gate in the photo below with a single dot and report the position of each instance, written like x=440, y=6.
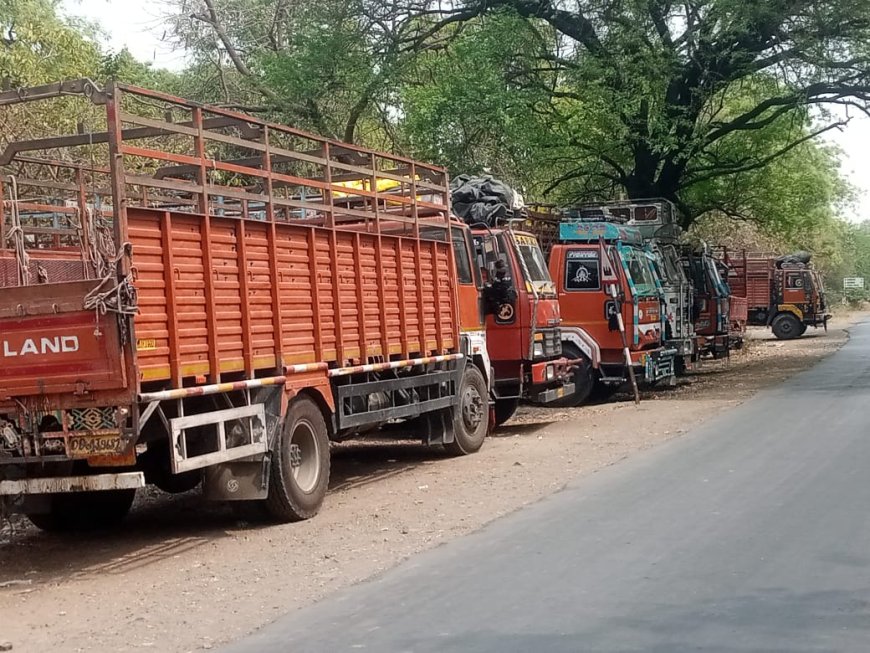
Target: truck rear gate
x=261, y=263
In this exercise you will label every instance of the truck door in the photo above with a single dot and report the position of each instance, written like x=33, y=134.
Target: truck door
x=796, y=289
x=503, y=324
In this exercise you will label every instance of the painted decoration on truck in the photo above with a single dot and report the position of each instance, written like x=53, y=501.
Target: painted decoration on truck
x=583, y=270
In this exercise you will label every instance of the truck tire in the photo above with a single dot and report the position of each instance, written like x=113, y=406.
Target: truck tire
x=504, y=410
x=471, y=416
x=299, y=475
x=583, y=377
x=786, y=326
x=84, y=511
x=803, y=329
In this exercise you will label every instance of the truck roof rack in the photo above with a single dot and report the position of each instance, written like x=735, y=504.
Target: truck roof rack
x=128, y=145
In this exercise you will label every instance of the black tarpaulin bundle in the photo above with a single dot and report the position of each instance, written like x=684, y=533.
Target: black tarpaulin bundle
x=484, y=200
x=794, y=259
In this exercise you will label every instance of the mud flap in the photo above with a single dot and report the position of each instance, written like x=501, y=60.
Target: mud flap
x=439, y=427
x=239, y=480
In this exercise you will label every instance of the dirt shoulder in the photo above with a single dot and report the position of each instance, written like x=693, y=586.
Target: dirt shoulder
x=184, y=575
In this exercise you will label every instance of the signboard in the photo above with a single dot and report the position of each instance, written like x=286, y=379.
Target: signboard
x=853, y=283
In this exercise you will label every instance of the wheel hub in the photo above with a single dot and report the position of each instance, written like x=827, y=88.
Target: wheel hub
x=295, y=455
x=472, y=408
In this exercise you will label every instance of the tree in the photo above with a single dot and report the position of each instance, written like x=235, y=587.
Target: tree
x=655, y=80
x=325, y=65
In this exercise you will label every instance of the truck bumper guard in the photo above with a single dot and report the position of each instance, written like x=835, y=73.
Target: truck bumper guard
x=61, y=484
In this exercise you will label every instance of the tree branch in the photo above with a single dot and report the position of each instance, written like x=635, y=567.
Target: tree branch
x=725, y=170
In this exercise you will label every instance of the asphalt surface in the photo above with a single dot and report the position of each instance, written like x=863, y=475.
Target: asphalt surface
x=751, y=533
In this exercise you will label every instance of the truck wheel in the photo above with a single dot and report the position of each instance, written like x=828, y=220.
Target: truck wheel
x=804, y=328
x=786, y=326
x=299, y=475
x=583, y=377
x=84, y=511
x=471, y=416
x=505, y=409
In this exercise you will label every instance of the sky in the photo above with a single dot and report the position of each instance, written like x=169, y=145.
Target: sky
x=138, y=26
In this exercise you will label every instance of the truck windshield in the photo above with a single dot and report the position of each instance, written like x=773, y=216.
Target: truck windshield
x=640, y=270
x=672, y=269
x=720, y=288
x=533, y=259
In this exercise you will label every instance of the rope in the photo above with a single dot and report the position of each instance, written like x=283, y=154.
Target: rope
x=16, y=236
x=112, y=295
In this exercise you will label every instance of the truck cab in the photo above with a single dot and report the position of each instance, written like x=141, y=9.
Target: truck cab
x=601, y=270
x=522, y=318
x=712, y=312
x=656, y=220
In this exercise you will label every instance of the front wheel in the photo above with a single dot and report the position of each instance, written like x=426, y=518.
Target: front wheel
x=786, y=327
x=471, y=415
x=299, y=475
x=582, y=376
x=84, y=511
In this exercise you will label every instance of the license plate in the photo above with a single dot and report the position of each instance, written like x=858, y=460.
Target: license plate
x=86, y=446
x=560, y=393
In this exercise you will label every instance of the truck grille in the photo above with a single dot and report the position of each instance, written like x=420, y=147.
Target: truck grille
x=552, y=342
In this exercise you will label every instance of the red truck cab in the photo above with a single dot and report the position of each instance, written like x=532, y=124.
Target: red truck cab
x=523, y=335
x=602, y=269
x=712, y=312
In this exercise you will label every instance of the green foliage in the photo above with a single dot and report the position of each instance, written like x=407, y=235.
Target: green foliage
x=39, y=47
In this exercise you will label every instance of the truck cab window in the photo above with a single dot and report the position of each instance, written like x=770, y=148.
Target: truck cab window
x=463, y=262
x=794, y=281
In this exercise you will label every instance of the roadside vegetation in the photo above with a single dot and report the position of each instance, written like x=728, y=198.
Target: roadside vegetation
x=716, y=105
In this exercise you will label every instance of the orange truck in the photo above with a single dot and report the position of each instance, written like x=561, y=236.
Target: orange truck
x=785, y=293
x=610, y=298
x=195, y=296
x=523, y=333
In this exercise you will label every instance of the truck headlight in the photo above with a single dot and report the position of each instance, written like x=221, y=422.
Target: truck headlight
x=538, y=349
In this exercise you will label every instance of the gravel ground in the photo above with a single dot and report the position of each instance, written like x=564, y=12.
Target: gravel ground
x=184, y=575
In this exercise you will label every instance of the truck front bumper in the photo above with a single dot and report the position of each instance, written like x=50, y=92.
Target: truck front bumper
x=552, y=394
x=659, y=364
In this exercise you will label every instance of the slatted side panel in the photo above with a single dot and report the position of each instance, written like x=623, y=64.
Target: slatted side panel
x=410, y=294
x=446, y=290
x=296, y=295
x=260, y=294
x=393, y=297
x=369, y=278
x=758, y=282
x=152, y=323
x=190, y=301
x=228, y=297
x=323, y=261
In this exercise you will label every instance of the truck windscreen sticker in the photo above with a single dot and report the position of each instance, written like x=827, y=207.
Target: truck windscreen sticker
x=583, y=270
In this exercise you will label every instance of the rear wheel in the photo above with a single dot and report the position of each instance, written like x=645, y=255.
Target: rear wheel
x=804, y=328
x=505, y=409
x=582, y=376
x=299, y=476
x=84, y=511
x=471, y=416
x=786, y=326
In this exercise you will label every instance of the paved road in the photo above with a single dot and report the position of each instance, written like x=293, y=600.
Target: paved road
x=750, y=534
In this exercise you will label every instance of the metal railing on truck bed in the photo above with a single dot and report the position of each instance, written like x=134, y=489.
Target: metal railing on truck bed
x=167, y=253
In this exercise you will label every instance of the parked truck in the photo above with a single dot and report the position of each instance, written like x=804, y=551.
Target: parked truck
x=712, y=301
x=222, y=306
x=519, y=298
x=656, y=220
x=785, y=293
x=523, y=333
x=603, y=272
